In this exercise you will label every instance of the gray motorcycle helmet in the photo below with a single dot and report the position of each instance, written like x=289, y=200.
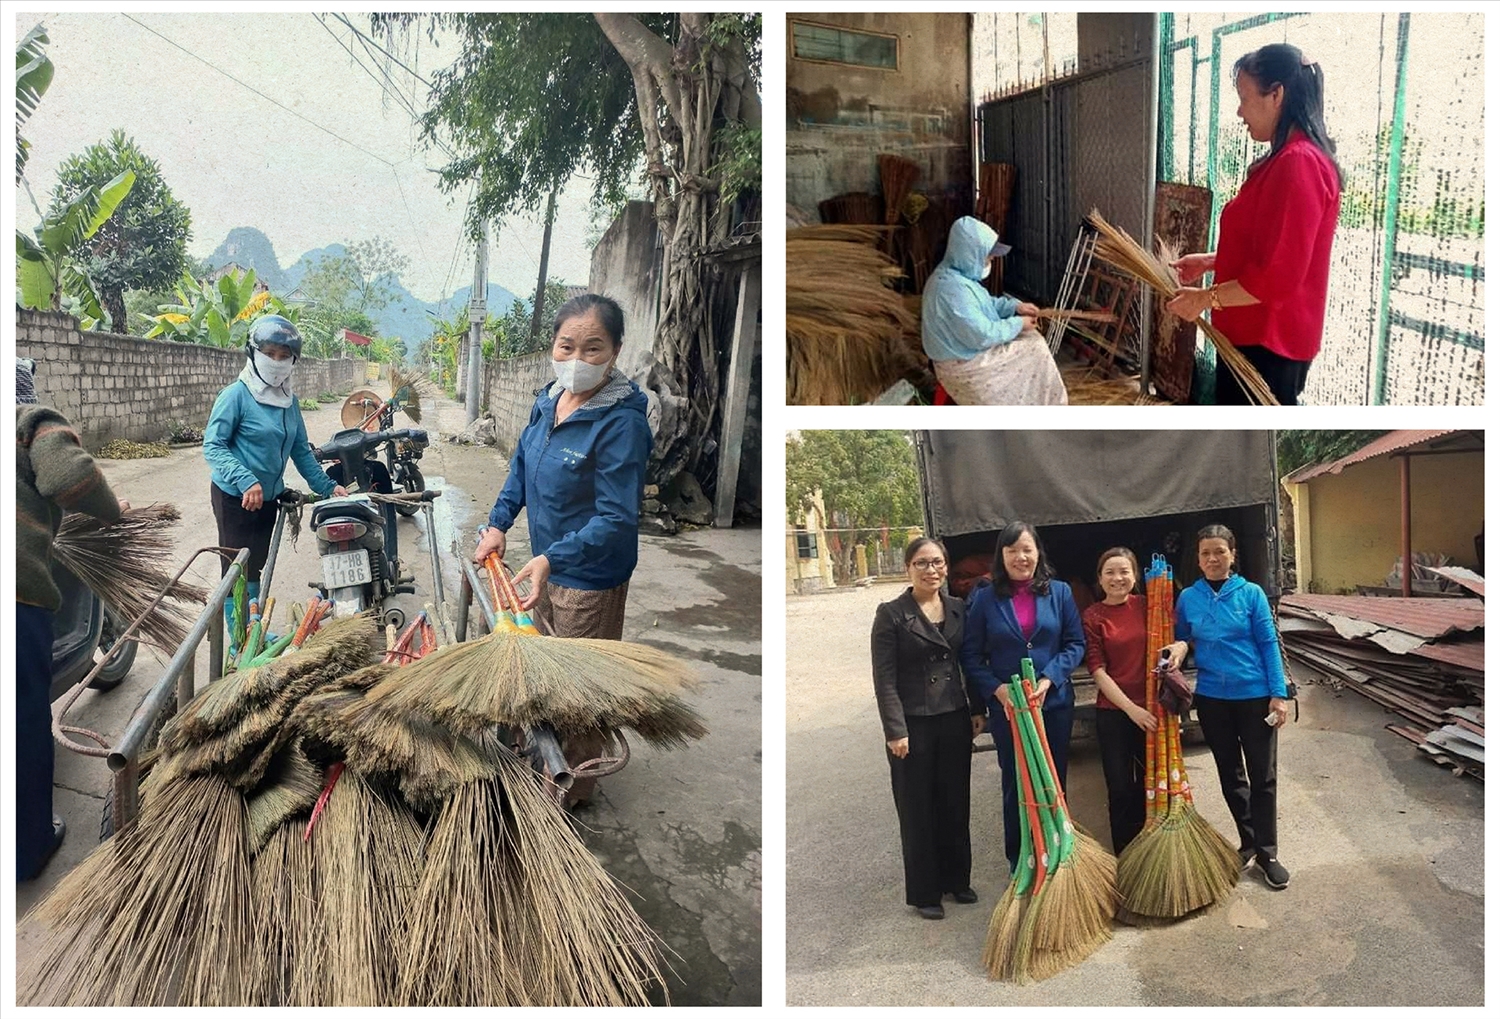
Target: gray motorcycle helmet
x=274, y=330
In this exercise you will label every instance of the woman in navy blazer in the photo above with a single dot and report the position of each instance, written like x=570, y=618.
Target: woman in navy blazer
x=1022, y=614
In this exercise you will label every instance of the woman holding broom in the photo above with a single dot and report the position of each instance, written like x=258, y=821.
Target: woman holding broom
x=578, y=470
x=1023, y=614
x=929, y=723
x=1270, y=287
x=1241, y=692
x=255, y=427
x=1115, y=634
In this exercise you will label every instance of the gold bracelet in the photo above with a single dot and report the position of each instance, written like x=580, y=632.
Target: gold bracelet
x=1214, y=299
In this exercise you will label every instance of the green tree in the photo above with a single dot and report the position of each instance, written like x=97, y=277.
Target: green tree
x=534, y=98
x=512, y=332
x=868, y=483
x=144, y=244
x=46, y=275
x=33, y=76
x=1297, y=448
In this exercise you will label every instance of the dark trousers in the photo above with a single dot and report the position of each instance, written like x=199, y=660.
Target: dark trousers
x=242, y=528
x=1122, y=750
x=1058, y=724
x=1285, y=377
x=931, y=786
x=34, y=746
x=1244, y=749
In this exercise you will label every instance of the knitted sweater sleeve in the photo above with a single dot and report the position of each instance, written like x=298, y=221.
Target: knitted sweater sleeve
x=65, y=473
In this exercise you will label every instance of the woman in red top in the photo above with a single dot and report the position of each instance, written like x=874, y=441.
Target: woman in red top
x=1114, y=633
x=1270, y=286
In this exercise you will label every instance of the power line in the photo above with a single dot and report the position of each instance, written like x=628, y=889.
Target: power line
x=350, y=25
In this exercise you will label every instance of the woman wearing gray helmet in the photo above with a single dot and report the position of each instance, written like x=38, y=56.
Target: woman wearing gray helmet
x=255, y=427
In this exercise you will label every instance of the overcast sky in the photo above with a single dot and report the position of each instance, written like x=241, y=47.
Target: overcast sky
x=236, y=159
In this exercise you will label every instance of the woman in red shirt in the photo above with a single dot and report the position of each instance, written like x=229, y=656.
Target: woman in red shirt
x=1270, y=287
x=1114, y=633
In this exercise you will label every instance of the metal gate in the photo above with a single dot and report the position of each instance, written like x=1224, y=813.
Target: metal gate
x=1404, y=103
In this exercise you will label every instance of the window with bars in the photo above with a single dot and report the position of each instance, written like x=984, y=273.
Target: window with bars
x=843, y=46
x=807, y=545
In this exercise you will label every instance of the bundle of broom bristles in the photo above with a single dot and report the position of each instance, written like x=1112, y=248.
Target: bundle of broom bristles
x=1121, y=251
x=327, y=830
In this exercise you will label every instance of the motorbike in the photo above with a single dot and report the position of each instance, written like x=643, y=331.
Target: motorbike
x=400, y=469
x=82, y=630
x=356, y=535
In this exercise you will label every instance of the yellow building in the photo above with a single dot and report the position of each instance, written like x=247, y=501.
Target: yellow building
x=808, y=565
x=1348, y=515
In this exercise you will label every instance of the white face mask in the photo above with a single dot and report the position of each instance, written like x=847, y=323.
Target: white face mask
x=989, y=263
x=274, y=372
x=578, y=376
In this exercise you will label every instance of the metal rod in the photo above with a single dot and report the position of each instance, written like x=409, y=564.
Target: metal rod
x=437, y=567
x=270, y=567
x=1406, y=527
x=187, y=683
x=1391, y=219
x=216, y=647
x=1148, y=231
x=472, y=576
x=465, y=600
x=125, y=801
x=544, y=743
x=128, y=748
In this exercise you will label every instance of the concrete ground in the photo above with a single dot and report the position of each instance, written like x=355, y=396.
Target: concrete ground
x=681, y=829
x=1385, y=850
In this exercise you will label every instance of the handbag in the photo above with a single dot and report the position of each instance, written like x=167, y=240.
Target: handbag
x=1174, y=689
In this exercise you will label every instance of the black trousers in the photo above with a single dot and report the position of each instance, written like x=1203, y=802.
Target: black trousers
x=931, y=786
x=1058, y=724
x=1285, y=377
x=34, y=748
x=242, y=528
x=1244, y=749
x=1122, y=751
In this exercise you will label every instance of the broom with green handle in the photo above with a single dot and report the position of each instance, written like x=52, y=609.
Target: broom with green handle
x=1005, y=923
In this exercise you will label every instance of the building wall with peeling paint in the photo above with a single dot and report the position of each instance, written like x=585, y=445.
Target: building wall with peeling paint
x=840, y=116
x=1348, y=529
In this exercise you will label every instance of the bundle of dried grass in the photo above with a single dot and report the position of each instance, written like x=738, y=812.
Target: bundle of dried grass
x=897, y=177
x=122, y=563
x=408, y=390
x=1120, y=250
x=158, y=915
x=1089, y=386
x=289, y=790
x=287, y=952
x=844, y=322
x=578, y=685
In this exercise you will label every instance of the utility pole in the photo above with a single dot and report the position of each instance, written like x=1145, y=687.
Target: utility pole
x=541, y=276
x=478, y=306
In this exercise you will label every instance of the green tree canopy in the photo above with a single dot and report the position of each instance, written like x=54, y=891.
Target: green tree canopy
x=1296, y=448
x=868, y=479
x=144, y=244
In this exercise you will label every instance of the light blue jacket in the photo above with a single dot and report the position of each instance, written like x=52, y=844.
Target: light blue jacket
x=247, y=442
x=1234, y=640
x=959, y=317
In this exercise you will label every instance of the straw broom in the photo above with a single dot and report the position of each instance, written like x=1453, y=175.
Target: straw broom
x=1179, y=862
x=1120, y=250
x=1005, y=921
x=122, y=564
x=286, y=954
x=1041, y=847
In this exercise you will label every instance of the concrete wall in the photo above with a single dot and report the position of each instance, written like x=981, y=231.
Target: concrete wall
x=1348, y=525
x=510, y=388
x=124, y=387
x=840, y=117
x=626, y=265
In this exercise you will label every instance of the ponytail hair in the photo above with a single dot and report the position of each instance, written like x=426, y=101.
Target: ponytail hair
x=1302, y=104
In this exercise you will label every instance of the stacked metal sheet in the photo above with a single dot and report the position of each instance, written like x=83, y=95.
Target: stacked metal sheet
x=1422, y=658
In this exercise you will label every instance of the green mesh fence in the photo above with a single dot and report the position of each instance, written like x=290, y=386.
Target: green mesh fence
x=1405, y=105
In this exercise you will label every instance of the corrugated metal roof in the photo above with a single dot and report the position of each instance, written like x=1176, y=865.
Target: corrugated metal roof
x=1391, y=442
x=1467, y=654
x=1422, y=617
x=1460, y=576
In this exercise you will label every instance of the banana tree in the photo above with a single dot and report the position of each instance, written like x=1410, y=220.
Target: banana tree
x=48, y=278
x=33, y=75
x=217, y=314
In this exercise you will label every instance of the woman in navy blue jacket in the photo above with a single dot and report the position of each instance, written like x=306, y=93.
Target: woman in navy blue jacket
x=1241, y=693
x=1022, y=614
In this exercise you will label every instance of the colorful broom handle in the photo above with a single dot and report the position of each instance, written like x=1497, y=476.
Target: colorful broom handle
x=1028, y=676
x=1026, y=863
x=523, y=618
x=1054, y=822
x=519, y=619
x=1028, y=797
x=1048, y=771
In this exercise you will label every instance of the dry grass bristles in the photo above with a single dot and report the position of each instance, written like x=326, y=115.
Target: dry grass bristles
x=290, y=789
x=1087, y=385
x=286, y=959
x=1120, y=250
x=1177, y=867
x=123, y=564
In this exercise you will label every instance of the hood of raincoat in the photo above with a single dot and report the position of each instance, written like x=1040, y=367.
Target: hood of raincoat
x=969, y=244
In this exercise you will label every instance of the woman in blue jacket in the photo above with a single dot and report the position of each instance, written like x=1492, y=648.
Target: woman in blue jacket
x=1241, y=693
x=1022, y=614
x=579, y=470
x=255, y=427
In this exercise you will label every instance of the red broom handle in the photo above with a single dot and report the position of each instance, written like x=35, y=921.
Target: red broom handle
x=509, y=585
x=333, y=777
x=1041, y=731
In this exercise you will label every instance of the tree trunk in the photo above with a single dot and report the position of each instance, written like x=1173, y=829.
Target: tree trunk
x=541, y=276
x=114, y=303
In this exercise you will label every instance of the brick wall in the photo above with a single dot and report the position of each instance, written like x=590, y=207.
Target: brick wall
x=510, y=387
x=124, y=387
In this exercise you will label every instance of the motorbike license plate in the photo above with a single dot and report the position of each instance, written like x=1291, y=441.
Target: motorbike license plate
x=346, y=569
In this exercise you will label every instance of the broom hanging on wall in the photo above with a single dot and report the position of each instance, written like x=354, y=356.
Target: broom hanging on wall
x=1121, y=251
x=1179, y=862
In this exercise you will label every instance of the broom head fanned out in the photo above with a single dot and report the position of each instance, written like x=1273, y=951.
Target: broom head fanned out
x=289, y=790
x=122, y=563
x=286, y=960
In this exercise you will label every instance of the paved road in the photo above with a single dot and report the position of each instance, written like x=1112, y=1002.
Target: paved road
x=681, y=829
x=1386, y=854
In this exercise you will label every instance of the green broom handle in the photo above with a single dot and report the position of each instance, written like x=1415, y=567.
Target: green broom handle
x=1026, y=863
x=1046, y=789
x=1056, y=800
x=1023, y=782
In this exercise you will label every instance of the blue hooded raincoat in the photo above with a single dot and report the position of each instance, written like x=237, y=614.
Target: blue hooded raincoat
x=959, y=317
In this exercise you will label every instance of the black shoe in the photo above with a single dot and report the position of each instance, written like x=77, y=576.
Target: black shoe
x=931, y=912
x=1246, y=855
x=1275, y=874
x=967, y=897
x=59, y=832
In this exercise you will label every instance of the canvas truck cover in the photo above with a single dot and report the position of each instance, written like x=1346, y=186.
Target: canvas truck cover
x=980, y=481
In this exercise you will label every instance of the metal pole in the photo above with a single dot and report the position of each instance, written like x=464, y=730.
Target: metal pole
x=1406, y=527
x=478, y=304
x=1392, y=207
x=1148, y=232
x=269, y=569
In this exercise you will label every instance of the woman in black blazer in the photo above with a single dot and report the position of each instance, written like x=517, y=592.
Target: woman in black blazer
x=929, y=726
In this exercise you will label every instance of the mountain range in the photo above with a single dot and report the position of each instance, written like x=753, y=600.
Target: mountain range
x=406, y=316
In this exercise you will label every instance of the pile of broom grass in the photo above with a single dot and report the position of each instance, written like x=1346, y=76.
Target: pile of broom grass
x=328, y=830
